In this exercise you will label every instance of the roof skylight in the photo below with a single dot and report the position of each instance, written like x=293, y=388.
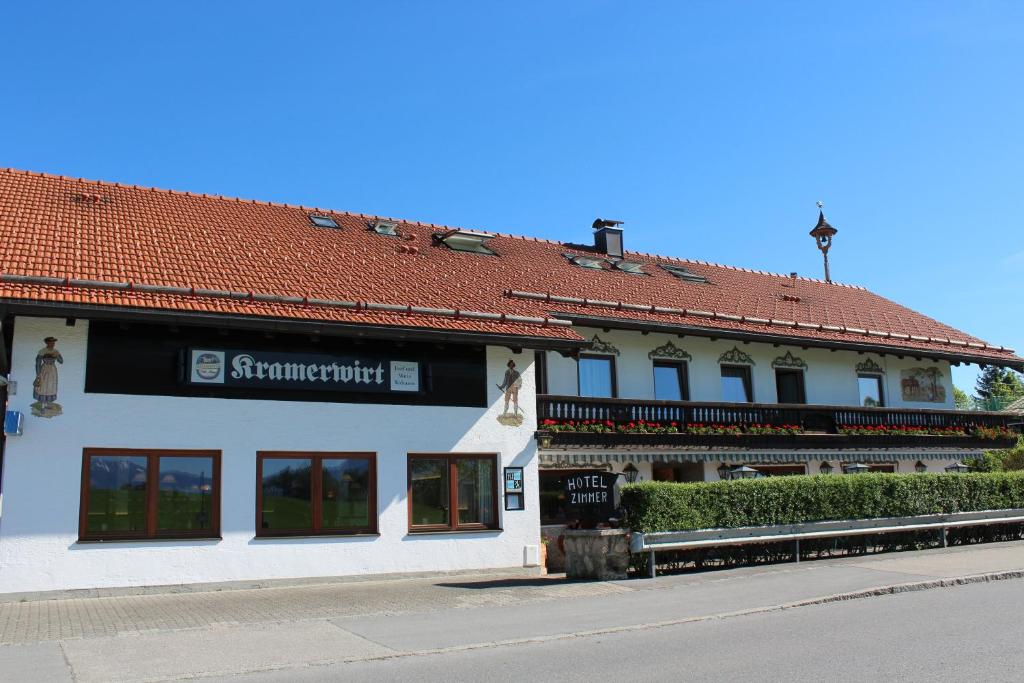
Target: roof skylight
x=586, y=261
x=465, y=240
x=682, y=273
x=630, y=267
x=389, y=228
x=323, y=221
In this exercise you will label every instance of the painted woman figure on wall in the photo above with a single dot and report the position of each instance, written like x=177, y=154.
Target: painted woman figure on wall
x=44, y=388
x=510, y=385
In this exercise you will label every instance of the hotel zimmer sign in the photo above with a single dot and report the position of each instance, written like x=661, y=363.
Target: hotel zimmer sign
x=310, y=371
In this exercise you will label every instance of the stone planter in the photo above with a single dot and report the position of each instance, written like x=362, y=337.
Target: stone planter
x=596, y=554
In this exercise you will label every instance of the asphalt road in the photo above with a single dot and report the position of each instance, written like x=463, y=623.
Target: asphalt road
x=963, y=633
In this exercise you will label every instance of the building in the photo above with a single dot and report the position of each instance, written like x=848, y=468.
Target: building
x=203, y=388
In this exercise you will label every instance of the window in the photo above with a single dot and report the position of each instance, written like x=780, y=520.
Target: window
x=453, y=492
x=670, y=381
x=466, y=240
x=309, y=494
x=630, y=267
x=737, y=386
x=389, y=228
x=789, y=384
x=870, y=390
x=540, y=372
x=682, y=273
x=597, y=376
x=323, y=221
x=586, y=261
x=130, y=494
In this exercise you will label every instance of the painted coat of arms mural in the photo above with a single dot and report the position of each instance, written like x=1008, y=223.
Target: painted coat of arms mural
x=44, y=387
x=510, y=386
x=922, y=385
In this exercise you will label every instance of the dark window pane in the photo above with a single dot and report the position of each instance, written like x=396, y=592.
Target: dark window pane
x=117, y=494
x=287, y=502
x=870, y=390
x=429, y=491
x=736, y=384
x=186, y=493
x=790, y=386
x=476, y=490
x=595, y=377
x=668, y=382
x=346, y=494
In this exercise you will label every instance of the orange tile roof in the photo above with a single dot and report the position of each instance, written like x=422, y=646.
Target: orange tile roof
x=74, y=229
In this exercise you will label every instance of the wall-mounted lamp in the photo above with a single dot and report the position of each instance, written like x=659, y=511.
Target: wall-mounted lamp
x=631, y=473
x=825, y=468
x=920, y=467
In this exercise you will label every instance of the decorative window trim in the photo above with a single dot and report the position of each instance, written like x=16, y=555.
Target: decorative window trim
x=669, y=350
x=870, y=367
x=598, y=346
x=736, y=357
x=789, y=361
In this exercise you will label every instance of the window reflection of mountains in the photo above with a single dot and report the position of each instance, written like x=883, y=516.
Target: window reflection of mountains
x=130, y=473
x=295, y=481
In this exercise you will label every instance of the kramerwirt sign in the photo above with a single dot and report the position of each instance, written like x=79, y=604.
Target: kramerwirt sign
x=311, y=371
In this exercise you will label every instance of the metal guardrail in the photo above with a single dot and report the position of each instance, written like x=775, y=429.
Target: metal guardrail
x=708, y=538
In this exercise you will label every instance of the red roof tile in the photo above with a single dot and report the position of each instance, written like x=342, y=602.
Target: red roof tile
x=56, y=227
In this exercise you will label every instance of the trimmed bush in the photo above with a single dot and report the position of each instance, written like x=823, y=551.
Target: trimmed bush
x=664, y=506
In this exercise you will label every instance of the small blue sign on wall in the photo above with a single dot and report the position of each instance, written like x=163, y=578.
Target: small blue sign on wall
x=13, y=421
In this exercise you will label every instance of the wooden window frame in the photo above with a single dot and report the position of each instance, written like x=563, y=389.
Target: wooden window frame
x=316, y=493
x=803, y=384
x=611, y=368
x=151, y=532
x=881, y=388
x=540, y=372
x=682, y=372
x=453, y=525
x=748, y=378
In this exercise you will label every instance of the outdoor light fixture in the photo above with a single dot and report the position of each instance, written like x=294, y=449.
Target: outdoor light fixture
x=825, y=468
x=920, y=467
x=631, y=473
x=544, y=439
x=958, y=467
x=723, y=471
x=744, y=472
x=856, y=468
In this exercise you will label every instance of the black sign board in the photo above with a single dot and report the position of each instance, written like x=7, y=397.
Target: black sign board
x=514, y=488
x=310, y=371
x=591, y=495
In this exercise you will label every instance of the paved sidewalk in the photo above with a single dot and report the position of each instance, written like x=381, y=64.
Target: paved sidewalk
x=165, y=637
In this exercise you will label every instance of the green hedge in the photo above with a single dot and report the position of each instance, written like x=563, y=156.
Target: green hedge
x=662, y=506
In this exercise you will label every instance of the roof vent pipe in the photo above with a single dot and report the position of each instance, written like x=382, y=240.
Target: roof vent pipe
x=608, y=237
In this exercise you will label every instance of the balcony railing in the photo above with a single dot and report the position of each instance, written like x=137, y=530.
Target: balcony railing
x=819, y=426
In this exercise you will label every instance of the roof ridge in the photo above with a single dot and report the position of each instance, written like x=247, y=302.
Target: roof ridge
x=422, y=224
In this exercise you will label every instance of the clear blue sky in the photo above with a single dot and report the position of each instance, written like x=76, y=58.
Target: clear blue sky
x=710, y=128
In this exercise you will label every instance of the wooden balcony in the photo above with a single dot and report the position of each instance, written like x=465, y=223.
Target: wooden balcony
x=820, y=426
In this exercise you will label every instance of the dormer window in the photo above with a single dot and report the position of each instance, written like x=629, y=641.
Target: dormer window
x=465, y=240
x=586, y=261
x=322, y=221
x=389, y=228
x=682, y=273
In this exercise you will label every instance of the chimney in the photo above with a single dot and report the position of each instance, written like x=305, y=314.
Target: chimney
x=608, y=237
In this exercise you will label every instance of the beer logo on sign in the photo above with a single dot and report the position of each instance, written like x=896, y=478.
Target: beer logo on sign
x=208, y=366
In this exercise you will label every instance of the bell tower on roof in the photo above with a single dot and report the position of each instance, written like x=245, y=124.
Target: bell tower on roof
x=823, y=234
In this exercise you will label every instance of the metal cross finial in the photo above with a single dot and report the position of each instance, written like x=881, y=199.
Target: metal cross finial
x=819, y=204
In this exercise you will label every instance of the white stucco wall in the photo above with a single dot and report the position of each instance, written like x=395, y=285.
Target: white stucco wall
x=42, y=474
x=830, y=379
